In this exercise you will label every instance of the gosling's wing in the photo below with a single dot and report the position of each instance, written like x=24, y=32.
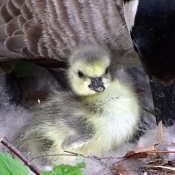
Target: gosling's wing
x=58, y=125
x=51, y=29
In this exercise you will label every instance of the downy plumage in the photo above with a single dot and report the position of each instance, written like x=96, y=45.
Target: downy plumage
x=97, y=116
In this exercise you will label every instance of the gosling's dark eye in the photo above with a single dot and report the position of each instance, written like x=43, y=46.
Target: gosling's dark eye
x=80, y=74
x=107, y=70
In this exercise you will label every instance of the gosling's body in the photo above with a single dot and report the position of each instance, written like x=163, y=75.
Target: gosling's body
x=91, y=124
x=114, y=115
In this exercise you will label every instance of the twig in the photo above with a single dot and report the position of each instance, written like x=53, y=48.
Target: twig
x=163, y=167
x=49, y=155
x=5, y=142
x=159, y=151
x=91, y=157
x=76, y=154
x=69, y=154
x=101, y=158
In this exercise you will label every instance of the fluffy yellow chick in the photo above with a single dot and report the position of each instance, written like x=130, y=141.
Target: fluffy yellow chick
x=97, y=116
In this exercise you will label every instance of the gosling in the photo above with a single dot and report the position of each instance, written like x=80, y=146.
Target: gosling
x=97, y=116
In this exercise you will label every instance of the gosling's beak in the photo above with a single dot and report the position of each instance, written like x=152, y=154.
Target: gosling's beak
x=97, y=84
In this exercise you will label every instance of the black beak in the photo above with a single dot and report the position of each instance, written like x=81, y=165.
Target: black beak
x=97, y=84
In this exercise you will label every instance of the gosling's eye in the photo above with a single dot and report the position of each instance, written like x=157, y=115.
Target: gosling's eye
x=107, y=70
x=80, y=74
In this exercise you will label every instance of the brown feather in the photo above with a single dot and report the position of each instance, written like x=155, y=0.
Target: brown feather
x=18, y=32
x=11, y=27
x=6, y=55
x=17, y=3
x=26, y=53
x=26, y=12
x=32, y=33
x=13, y=11
x=15, y=43
x=5, y=16
x=21, y=21
x=2, y=33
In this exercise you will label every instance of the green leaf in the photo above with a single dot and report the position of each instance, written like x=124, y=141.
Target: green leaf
x=80, y=162
x=63, y=170
x=10, y=166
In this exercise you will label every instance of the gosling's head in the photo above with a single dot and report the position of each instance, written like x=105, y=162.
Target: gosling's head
x=89, y=70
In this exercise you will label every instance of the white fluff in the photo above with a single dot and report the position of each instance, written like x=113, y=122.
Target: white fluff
x=12, y=118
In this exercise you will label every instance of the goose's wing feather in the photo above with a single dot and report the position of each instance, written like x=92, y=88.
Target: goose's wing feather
x=36, y=29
